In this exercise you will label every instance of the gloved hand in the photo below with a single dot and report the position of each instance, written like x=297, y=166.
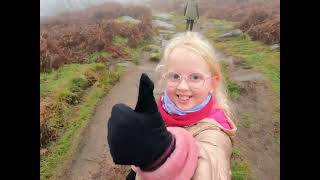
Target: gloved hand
x=139, y=137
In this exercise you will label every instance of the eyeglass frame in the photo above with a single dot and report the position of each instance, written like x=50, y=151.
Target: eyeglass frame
x=185, y=77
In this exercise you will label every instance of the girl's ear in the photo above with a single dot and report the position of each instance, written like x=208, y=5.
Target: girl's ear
x=215, y=81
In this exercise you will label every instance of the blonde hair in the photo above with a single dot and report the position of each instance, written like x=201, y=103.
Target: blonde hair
x=195, y=42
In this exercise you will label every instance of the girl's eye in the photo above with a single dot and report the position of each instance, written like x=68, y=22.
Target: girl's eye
x=174, y=76
x=195, y=77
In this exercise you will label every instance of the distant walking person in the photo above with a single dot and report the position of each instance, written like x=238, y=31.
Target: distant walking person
x=191, y=12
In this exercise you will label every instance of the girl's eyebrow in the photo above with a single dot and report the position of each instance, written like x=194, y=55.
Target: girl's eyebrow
x=197, y=71
x=200, y=72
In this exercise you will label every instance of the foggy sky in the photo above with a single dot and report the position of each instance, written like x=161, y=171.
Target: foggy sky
x=54, y=7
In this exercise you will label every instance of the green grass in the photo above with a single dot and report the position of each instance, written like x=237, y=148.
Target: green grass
x=63, y=89
x=137, y=53
x=154, y=52
x=171, y=18
x=56, y=81
x=118, y=40
x=223, y=25
x=180, y=27
x=252, y=53
x=52, y=164
x=240, y=168
x=145, y=42
x=156, y=56
x=244, y=120
x=121, y=20
x=93, y=58
x=151, y=48
x=232, y=88
x=67, y=84
x=168, y=36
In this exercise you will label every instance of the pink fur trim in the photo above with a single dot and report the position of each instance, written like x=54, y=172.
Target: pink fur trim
x=181, y=164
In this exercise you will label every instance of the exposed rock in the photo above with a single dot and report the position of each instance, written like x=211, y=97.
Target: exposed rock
x=163, y=25
x=233, y=33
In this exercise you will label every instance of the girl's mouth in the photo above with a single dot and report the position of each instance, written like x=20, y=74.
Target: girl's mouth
x=183, y=98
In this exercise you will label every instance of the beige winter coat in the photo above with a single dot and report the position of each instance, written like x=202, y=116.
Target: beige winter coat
x=215, y=148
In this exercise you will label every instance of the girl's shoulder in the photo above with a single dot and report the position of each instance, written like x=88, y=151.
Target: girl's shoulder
x=217, y=116
x=220, y=116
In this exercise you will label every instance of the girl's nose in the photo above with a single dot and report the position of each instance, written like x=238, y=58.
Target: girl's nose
x=183, y=85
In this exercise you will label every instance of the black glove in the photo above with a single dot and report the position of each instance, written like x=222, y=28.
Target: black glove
x=139, y=137
x=146, y=102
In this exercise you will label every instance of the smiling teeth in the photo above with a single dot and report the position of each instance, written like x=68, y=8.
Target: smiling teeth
x=184, y=98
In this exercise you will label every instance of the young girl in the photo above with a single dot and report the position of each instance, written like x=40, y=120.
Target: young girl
x=195, y=110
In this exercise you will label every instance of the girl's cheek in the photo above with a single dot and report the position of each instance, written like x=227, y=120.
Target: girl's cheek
x=170, y=91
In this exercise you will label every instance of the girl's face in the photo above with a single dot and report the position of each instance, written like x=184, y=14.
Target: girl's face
x=187, y=93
